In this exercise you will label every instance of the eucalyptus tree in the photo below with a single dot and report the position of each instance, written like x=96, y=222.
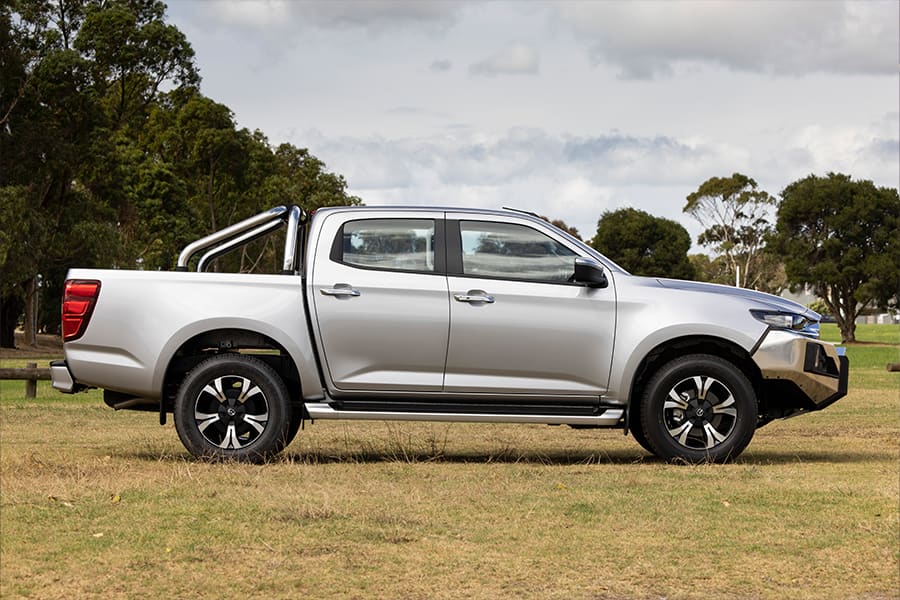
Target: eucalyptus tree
x=735, y=215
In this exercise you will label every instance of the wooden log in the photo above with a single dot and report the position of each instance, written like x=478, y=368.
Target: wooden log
x=893, y=367
x=40, y=374
x=31, y=374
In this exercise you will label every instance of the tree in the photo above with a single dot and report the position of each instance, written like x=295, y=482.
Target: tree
x=842, y=238
x=644, y=244
x=100, y=167
x=771, y=275
x=711, y=270
x=733, y=211
x=132, y=52
x=715, y=270
x=560, y=224
x=50, y=113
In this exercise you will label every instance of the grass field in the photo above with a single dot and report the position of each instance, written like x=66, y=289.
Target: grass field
x=109, y=505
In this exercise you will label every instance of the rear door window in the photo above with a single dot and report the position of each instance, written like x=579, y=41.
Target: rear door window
x=387, y=244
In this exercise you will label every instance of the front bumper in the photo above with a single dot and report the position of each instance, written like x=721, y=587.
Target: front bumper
x=817, y=370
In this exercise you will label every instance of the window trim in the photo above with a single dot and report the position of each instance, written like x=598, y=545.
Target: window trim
x=455, y=255
x=440, y=252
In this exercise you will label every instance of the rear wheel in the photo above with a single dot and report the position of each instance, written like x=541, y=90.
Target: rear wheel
x=698, y=408
x=232, y=406
x=294, y=424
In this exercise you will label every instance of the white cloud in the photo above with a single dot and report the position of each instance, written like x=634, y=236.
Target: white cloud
x=372, y=15
x=515, y=59
x=404, y=120
x=440, y=66
x=645, y=39
x=262, y=14
x=864, y=153
x=575, y=178
x=491, y=159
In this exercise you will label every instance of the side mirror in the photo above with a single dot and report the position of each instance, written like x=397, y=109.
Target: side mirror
x=589, y=272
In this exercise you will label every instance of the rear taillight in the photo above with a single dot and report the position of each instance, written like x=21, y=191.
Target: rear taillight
x=78, y=304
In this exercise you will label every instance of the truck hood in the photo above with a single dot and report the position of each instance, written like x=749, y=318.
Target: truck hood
x=772, y=302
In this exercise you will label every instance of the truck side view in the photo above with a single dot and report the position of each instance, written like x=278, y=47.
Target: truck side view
x=440, y=314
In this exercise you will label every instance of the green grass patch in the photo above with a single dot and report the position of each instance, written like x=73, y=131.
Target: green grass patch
x=876, y=347
x=19, y=363
x=870, y=333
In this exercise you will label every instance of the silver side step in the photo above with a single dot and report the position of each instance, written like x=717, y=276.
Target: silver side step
x=609, y=418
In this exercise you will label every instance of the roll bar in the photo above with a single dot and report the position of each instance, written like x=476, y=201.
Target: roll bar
x=293, y=240
x=246, y=231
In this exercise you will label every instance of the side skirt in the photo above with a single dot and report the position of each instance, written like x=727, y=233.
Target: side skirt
x=604, y=417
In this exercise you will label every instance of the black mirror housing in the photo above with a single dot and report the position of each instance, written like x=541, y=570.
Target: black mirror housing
x=589, y=272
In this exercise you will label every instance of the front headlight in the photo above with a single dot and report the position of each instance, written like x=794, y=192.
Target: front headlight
x=789, y=321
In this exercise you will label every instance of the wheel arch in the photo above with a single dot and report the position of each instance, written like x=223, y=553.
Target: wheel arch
x=671, y=349
x=223, y=340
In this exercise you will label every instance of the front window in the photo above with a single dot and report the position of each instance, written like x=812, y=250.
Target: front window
x=511, y=251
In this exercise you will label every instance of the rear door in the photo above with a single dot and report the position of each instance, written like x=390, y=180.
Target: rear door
x=380, y=300
x=518, y=326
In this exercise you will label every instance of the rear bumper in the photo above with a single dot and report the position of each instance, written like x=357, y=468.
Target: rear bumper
x=62, y=378
x=817, y=369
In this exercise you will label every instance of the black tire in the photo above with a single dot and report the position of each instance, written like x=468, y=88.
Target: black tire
x=698, y=408
x=637, y=431
x=232, y=407
x=294, y=425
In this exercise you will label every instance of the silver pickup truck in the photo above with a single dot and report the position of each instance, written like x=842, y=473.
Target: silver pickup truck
x=439, y=314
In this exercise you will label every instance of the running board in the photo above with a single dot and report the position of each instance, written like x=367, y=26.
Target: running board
x=610, y=417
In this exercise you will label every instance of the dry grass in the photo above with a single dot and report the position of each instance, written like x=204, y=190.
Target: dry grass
x=103, y=504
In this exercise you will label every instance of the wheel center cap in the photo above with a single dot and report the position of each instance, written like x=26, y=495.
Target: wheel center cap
x=699, y=412
x=231, y=412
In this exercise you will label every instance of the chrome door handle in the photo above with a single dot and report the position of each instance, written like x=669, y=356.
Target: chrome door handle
x=340, y=292
x=485, y=298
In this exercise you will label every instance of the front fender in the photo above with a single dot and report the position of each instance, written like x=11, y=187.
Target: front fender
x=629, y=364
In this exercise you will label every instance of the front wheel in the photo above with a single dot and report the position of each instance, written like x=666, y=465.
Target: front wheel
x=637, y=431
x=699, y=408
x=232, y=406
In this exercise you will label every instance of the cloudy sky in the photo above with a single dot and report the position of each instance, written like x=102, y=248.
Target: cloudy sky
x=564, y=108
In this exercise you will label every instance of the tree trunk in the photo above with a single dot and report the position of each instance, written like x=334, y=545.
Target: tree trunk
x=30, y=323
x=844, y=308
x=848, y=330
x=732, y=269
x=846, y=317
x=214, y=267
x=209, y=196
x=10, y=311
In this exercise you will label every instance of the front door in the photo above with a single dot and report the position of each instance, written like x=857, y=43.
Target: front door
x=518, y=325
